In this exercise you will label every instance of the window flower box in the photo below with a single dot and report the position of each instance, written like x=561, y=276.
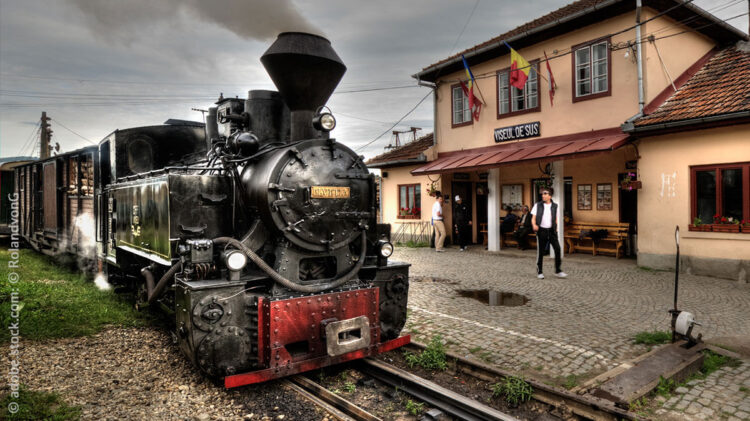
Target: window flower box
x=409, y=216
x=631, y=185
x=725, y=227
x=701, y=227
x=745, y=229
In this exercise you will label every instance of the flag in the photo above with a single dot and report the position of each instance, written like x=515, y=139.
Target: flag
x=519, y=69
x=551, y=80
x=475, y=105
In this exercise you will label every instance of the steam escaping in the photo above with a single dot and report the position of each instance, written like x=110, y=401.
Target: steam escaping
x=101, y=282
x=254, y=19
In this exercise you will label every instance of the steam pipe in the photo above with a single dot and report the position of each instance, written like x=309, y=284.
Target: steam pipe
x=157, y=291
x=147, y=273
x=286, y=282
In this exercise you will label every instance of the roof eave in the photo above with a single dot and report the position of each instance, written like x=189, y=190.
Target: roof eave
x=399, y=163
x=435, y=69
x=431, y=73
x=659, y=128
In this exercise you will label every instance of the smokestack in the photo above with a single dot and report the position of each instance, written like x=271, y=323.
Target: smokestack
x=305, y=70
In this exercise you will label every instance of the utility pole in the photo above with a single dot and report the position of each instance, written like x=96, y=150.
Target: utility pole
x=45, y=136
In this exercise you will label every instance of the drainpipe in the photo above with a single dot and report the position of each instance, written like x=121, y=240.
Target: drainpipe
x=433, y=86
x=641, y=100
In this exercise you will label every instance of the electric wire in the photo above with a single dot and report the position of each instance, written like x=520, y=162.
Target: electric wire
x=29, y=138
x=471, y=14
x=74, y=132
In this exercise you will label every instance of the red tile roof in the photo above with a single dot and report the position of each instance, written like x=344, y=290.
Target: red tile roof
x=548, y=18
x=722, y=86
x=410, y=151
x=577, y=15
x=564, y=146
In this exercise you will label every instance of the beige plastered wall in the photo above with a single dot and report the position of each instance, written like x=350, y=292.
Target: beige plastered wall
x=664, y=201
x=389, y=193
x=678, y=52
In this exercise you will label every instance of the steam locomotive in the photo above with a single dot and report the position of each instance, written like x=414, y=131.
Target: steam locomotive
x=257, y=233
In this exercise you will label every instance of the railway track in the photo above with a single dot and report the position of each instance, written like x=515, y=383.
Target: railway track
x=448, y=402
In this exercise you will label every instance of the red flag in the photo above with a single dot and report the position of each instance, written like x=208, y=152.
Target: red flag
x=475, y=105
x=551, y=80
x=519, y=69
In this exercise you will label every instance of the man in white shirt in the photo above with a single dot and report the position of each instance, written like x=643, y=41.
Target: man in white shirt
x=544, y=221
x=437, y=222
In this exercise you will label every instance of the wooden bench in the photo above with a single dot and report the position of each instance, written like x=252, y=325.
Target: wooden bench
x=507, y=238
x=613, y=242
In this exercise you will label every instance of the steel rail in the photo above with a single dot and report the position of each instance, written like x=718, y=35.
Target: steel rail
x=433, y=394
x=584, y=405
x=335, y=404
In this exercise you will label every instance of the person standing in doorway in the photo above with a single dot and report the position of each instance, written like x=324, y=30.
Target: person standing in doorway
x=544, y=222
x=462, y=223
x=437, y=222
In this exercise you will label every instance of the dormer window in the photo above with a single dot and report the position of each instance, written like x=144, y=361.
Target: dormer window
x=592, y=68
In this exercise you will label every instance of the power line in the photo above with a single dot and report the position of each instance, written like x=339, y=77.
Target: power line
x=396, y=123
x=75, y=133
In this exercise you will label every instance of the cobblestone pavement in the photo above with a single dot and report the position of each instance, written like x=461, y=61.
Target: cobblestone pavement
x=573, y=329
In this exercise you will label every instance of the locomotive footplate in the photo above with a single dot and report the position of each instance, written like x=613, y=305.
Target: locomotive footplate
x=306, y=333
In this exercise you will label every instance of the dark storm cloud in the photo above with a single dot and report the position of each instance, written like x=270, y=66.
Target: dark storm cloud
x=139, y=52
x=256, y=19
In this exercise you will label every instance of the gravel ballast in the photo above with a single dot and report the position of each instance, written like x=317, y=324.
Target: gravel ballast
x=138, y=374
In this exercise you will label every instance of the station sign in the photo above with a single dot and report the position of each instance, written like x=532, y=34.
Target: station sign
x=519, y=131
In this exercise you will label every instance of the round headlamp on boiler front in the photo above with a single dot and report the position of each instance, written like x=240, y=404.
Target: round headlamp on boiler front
x=235, y=260
x=324, y=120
x=385, y=248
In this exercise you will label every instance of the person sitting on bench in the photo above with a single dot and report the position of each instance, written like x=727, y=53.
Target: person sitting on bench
x=524, y=228
x=509, y=222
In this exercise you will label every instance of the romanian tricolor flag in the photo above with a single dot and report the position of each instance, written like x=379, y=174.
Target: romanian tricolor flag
x=519, y=68
x=475, y=105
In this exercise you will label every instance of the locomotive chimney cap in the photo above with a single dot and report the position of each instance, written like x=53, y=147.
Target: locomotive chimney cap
x=305, y=69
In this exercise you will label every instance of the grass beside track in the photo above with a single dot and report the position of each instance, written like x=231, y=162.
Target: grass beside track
x=55, y=301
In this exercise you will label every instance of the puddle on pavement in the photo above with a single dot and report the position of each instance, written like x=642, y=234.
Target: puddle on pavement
x=494, y=298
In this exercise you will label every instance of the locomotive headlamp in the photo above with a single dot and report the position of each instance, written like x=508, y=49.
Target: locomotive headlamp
x=324, y=121
x=386, y=249
x=235, y=260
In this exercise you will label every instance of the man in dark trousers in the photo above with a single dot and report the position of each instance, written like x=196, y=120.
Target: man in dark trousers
x=524, y=228
x=545, y=226
x=462, y=223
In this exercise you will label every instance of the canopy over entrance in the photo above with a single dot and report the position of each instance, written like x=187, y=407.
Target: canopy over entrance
x=558, y=147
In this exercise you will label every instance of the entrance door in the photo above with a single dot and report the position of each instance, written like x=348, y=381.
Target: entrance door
x=463, y=189
x=629, y=213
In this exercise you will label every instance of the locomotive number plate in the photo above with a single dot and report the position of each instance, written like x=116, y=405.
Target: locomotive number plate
x=329, y=192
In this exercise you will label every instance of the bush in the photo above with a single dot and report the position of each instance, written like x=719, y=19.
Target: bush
x=432, y=358
x=515, y=390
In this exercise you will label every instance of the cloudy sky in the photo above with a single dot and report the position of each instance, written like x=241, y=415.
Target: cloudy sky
x=98, y=65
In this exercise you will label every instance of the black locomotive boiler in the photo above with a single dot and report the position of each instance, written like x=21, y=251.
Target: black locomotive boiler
x=260, y=237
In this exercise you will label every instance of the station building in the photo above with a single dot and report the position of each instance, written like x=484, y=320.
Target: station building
x=654, y=133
